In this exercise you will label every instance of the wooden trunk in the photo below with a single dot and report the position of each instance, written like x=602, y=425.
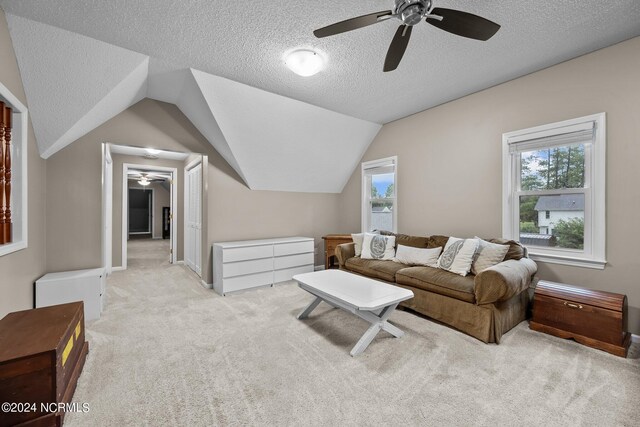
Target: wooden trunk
x=593, y=318
x=42, y=352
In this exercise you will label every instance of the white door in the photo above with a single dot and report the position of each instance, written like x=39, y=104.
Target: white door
x=193, y=216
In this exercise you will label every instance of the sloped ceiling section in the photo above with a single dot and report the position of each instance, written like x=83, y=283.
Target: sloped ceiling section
x=73, y=83
x=284, y=144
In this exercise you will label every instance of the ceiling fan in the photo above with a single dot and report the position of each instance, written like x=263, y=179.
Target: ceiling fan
x=411, y=12
x=145, y=179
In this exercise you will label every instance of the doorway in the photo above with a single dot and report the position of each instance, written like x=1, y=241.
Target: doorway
x=141, y=208
x=146, y=191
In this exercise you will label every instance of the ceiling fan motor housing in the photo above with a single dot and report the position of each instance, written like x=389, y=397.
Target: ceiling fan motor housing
x=411, y=12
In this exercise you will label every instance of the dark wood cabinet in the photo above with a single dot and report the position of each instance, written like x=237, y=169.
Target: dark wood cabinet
x=593, y=318
x=42, y=352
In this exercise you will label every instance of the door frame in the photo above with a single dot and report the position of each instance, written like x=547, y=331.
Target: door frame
x=107, y=209
x=173, y=207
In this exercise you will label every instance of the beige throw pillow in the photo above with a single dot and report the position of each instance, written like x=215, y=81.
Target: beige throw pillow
x=358, y=238
x=457, y=255
x=487, y=255
x=375, y=246
x=417, y=256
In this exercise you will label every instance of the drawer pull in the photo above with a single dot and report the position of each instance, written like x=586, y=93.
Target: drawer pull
x=572, y=305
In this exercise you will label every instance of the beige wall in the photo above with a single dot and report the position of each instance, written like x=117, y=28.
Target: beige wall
x=19, y=270
x=118, y=162
x=234, y=212
x=450, y=177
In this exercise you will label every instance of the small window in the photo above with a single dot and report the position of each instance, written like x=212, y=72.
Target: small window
x=554, y=184
x=379, y=200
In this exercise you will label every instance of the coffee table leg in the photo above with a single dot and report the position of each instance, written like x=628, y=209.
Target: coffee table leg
x=377, y=322
x=305, y=313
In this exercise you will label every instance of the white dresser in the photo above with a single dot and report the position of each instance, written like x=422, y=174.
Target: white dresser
x=252, y=263
x=69, y=286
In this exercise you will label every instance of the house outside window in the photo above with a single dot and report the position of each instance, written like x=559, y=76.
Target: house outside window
x=379, y=190
x=554, y=190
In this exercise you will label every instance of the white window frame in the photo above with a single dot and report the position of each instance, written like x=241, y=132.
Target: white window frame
x=19, y=152
x=367, y=167
x=593, y=255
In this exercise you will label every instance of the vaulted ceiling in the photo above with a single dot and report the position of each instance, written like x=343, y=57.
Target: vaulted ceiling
x=84, y=61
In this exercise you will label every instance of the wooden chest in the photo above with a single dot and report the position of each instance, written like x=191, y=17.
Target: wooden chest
x=593, y=318
x=42, y=352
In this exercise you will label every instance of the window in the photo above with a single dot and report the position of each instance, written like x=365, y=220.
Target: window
x=554, y=191
x=13, y=174
x=379, y=190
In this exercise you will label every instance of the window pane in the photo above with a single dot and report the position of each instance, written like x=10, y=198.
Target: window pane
x=553, y=168
x=382, y=216
x=382, y=186
x=552, y=220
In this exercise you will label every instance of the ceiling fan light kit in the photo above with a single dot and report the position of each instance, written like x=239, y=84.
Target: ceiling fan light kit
x=304, y=62
x=410, y=13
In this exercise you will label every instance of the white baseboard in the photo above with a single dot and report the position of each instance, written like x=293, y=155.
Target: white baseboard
x=206, y=285
x=635, y=338
x=119, y=268
x=318, y=268
x=157, y=238
x=181, y=262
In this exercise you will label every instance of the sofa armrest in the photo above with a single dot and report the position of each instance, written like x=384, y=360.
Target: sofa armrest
x=344, y=252
x=504, y=280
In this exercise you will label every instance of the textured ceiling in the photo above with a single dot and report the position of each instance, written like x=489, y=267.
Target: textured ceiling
x=245, y=42
x=85, y=61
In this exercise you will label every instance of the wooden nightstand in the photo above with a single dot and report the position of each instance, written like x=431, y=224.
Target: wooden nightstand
x=330, y=243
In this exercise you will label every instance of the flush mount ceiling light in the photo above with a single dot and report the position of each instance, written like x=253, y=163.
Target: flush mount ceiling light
x=304, y=62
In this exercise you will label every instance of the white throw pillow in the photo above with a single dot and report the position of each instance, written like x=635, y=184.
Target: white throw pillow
x=417, y=256
x=375, y=246
x=358, y=239
x=487, y=255
x=457, y=255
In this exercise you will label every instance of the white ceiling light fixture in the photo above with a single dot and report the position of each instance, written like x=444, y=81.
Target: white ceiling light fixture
x=304, y=62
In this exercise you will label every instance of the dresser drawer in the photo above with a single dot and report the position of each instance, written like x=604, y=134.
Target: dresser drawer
x=288, y=273
x=240, y=268
x=293, y=248
x=246, y=253
x=293, y=261
x=246, y=282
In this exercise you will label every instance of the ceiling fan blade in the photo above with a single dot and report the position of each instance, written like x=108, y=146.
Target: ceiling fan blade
x=397, y=48
x=463, y=24
x=351, y=24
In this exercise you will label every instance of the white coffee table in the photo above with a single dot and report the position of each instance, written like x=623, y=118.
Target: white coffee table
x=369, y=299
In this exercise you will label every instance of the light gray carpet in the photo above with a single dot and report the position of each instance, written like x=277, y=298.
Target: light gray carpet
x=168, y=352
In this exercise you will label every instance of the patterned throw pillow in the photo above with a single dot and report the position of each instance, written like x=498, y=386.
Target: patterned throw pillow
x=358, y=239
x=375, y=246
x=487, y=255
x=457, y=255
x=417, y=256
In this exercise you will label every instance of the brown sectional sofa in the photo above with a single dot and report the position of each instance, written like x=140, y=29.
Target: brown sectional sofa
x=485, y=306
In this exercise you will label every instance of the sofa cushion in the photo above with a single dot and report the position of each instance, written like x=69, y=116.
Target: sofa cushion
x=437, y=241
x=406, y=240
x=516, y=250
x=439, y=281
x=376, y=269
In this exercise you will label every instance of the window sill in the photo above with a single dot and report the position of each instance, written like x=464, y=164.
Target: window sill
x=9, y=248
x=567, y=260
